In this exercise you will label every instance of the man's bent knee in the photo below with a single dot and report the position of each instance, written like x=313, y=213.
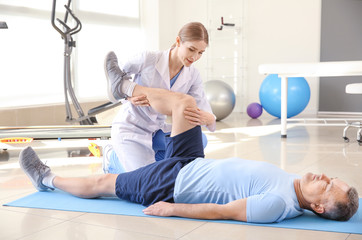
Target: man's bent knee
x=187, y=101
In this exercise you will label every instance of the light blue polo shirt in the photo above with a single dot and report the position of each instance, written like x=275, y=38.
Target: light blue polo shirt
x=269, y=190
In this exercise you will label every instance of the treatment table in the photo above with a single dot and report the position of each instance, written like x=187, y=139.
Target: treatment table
x=318, y=69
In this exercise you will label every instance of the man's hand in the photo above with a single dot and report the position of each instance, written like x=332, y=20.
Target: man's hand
x=139, y=101
x=163, y=209
x=235, y=210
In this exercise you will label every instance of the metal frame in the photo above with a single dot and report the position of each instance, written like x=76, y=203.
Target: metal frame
x=66, y=33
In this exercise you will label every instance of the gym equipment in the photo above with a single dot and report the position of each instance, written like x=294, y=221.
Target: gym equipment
x=254, y=110
x=69, y=43
x=3, y=25
x=59, y=200
x=357, y=125
x=56, y=132
x=39, y=133
x=221, y=98
x=270, y=95
x=354, y=88
x=94, y=149
x=16, y=140
x=316, y=69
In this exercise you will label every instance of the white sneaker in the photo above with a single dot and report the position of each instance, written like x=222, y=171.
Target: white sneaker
x=107, y=150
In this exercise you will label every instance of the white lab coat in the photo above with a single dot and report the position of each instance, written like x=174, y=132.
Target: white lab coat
x=133, y=127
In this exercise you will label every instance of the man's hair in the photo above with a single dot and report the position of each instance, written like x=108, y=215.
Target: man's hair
x=343, y=211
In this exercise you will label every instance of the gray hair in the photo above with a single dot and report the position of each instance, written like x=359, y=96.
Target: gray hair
x=343, y=211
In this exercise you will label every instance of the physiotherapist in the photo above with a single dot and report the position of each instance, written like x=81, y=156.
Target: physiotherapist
x=138, y=131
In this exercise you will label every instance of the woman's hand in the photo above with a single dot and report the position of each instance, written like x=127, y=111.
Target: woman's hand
x=139, y=101
x=196, y=116
x=163, y=209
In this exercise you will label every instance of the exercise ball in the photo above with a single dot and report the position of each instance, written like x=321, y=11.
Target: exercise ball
x=270, y=95
x=254, y=110
x=221, y=98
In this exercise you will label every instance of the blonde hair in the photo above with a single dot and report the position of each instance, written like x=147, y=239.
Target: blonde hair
x=193, y=31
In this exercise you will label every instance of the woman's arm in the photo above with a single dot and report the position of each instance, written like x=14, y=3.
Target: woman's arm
x=235, y=210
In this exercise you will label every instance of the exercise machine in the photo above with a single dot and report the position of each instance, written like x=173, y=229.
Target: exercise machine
x=16, y=138
x=67, y=33
x=3, y=25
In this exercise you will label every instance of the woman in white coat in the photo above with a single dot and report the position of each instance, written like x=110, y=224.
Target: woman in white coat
x=138, y=131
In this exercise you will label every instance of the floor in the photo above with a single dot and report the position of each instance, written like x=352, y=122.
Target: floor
x=307, y=149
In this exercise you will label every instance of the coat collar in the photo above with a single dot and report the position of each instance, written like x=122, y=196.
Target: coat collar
x=163, y=69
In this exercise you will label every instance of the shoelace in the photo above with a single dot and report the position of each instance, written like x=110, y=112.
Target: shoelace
x=39, y=166
x=115, y=68
x=123, y=75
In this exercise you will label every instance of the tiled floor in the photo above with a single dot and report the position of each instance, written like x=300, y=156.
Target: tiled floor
x=307, y=148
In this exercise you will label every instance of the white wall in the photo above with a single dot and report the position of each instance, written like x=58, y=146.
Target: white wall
x=150, y=23
x=275, y=32
x=191, y=11
x=281, y=31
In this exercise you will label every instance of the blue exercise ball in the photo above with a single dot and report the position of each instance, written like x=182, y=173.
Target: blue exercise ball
x=270, y=95
x=221, y=98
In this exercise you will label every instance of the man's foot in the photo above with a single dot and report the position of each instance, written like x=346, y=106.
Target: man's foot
x=115, y=77
x=35, y=169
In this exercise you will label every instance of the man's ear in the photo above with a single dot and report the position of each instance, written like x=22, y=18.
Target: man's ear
x=318, y=208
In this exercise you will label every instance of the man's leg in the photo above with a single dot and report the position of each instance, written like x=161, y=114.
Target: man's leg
x=88, y=187
x=169, y=103
x=163, y=101
x=43, y=179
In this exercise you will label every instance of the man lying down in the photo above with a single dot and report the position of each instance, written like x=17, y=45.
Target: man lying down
x=185, y=184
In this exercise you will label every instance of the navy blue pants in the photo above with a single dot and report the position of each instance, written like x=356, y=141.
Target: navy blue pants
x=159, y=144
x=155, y=182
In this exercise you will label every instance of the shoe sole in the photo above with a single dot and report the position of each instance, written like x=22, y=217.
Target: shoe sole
x=105, y=163
x=35, y=184
x=109, y=91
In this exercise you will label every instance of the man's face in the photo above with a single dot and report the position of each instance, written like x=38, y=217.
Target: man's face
x=320, y=189
x=190, y=52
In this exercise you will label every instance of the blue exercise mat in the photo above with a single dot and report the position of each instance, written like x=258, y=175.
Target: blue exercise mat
x=59, y=200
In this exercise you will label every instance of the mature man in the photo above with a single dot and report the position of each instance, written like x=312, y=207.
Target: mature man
x=186, y=184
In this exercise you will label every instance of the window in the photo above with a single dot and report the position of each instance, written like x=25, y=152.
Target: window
x=126, y=8
x=32, y=52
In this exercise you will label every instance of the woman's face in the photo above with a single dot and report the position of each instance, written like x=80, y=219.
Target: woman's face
x=190, y=52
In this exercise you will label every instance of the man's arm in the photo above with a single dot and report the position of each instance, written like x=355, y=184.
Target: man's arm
x=235, y=210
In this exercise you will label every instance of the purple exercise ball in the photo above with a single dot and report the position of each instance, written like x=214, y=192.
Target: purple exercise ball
x=254, y=110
